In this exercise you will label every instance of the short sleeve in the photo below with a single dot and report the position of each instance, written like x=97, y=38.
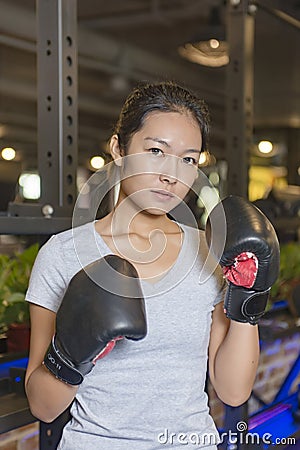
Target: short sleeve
x=222, y=286
x=49, y=278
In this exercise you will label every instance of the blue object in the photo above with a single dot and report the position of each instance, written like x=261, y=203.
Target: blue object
x=5, y=366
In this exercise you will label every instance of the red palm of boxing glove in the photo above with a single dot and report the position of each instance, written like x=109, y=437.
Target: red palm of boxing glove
x=244, y=270
x=249, y=257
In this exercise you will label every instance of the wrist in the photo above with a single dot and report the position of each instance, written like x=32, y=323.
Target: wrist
x=245, y=305
x=61, y=367
x=243, y=326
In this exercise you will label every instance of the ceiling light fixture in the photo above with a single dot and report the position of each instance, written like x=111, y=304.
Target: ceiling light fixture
x=210, y=48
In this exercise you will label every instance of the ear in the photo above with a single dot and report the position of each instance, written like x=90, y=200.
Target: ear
x=115, y=150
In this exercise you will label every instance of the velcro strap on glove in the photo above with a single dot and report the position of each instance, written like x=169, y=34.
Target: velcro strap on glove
x=60, y=367
x=245, y=305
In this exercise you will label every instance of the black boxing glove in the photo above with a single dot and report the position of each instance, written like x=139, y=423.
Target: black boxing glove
x=249, y=256
x=91, y=318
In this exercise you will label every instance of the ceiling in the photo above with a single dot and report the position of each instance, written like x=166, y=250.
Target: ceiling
x=121, y=42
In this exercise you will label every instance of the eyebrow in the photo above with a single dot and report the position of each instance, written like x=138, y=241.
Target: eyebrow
x=159, y=141
x=162, y=142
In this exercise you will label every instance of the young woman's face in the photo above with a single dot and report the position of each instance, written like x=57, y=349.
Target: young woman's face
x=161, y=162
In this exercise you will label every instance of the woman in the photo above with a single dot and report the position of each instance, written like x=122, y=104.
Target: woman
x=147, y=394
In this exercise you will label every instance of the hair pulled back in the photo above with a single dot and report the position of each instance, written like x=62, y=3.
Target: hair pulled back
x=162, y=97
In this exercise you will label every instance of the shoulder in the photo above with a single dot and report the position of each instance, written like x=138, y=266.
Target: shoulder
x=58, y=260
x=63, y=250
x=65, y=238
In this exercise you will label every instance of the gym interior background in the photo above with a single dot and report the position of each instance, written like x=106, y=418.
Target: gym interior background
x=66, y=67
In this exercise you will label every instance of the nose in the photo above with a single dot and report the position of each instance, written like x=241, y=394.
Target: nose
x=167, y=179
x=169, y=170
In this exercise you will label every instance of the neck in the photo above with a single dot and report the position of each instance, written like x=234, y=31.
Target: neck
x=127, y=218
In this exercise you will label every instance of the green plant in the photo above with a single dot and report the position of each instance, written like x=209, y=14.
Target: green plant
x=14, y=278
x=289, y=273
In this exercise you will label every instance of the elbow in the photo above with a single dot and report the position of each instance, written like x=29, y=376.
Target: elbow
x=42, y=415
x=235, y=402
x=234, y=399
x=39, y=409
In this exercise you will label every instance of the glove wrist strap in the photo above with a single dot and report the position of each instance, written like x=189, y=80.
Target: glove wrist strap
x=245, y=305
x=60, y=367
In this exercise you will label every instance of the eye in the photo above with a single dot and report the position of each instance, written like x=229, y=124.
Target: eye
x=156, y=151
x=190, y=160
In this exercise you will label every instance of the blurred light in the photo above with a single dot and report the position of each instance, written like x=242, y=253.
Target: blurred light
x=298, y=170
x=31, y=185
x=203, y=158
x=206, y=159
x=265, y=147
x=8, y=153
x=208, y=198
x=22, y=179
x=97, y=162
x=214, y=178
x=214, y=43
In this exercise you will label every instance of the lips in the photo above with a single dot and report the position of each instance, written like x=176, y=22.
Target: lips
x=162, y=195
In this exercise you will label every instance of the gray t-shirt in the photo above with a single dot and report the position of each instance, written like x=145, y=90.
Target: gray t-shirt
x=148, y=394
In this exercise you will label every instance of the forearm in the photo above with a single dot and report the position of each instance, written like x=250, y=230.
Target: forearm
x=48, y=397
x=235, y=363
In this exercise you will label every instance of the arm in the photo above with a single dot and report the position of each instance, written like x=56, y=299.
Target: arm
x=48, y=397
x=65, y=346
x=248, y=251
x=233, y=357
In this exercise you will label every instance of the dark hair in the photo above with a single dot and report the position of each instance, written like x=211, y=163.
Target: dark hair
x=163, y=96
